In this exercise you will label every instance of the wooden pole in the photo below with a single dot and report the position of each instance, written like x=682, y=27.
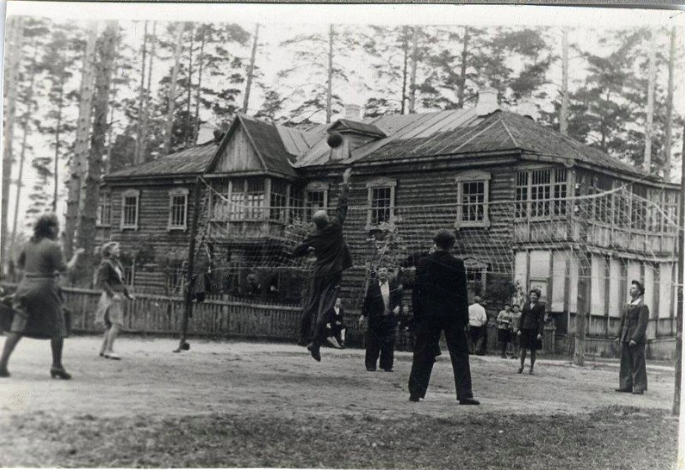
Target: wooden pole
x=188, y=299
x=679, y=287
x=583, y=311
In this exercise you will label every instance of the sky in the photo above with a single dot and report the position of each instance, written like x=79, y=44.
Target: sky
x=277, y=18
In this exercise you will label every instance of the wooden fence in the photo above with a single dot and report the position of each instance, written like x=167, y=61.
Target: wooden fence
x=158, y=314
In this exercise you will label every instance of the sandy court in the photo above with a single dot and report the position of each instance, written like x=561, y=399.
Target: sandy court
x=282, y=380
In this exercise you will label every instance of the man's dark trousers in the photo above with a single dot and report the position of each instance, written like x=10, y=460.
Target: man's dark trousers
x=427, y=336
x=380, y=340
x=633, y=372
x=319, y=300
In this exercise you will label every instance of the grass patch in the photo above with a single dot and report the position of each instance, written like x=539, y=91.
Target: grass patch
x=624, y=438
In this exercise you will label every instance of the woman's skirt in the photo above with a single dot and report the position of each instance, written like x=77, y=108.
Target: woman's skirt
x=529, y=340
x=110, y=311
x=37, y=306
x=503, y=335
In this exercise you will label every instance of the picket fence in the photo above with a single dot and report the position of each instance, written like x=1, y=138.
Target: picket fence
x=215, y=317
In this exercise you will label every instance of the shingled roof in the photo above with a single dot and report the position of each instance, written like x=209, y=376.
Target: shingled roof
x=191, y=161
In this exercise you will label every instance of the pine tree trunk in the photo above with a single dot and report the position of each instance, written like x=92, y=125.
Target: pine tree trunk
x=668, y=139
x=647, y=164
x=110, y=124
x=250, y=70
x=462, y=71
x=172, y=89
x=329, y=91
x=79, y=159
x=563, y=114
x=414, y=67
x=146, y=108
x=189, y=86
x=137, y=154
x=201, y=61
x=13, y=56
x=26, y=127
x=58, y=129
x=89, y=205
x=405, y=67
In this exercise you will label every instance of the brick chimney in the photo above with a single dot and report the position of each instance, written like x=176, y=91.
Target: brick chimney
x=487, y=102
x=527, y=108
x=353, y=112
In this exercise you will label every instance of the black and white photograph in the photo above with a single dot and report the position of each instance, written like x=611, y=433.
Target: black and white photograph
x=342, y=236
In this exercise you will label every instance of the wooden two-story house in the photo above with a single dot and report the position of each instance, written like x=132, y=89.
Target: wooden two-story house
x=528, y=205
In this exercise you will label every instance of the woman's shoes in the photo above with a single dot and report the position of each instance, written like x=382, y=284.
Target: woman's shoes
x=59, y=372
x=4, y=373
x=113, y=356
x=520, y=370
x=531, y=371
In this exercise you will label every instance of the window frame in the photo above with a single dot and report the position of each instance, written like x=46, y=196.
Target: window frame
x=380, y=183
x=524, y=207
x=467, y=177
x=314, y=187
x=128, y=194
x=99, y=220
x=174, y=193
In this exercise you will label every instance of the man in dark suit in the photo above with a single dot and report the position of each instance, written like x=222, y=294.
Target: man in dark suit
x=382, y=307
x=633, y=338
x=442, y=301
x=335, y=329
x=332, y=258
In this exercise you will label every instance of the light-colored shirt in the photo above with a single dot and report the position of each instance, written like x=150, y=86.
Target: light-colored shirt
x=385, y=293
x=504, y=320
x=477, y=315
x=636, y=301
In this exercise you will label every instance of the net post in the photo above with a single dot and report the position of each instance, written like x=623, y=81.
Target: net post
x=582, y=313
x=680, y=285
x=188, y=301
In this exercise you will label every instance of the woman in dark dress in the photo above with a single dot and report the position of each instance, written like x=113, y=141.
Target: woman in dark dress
x=37, y=302
x=110, y=310
x=530, y=327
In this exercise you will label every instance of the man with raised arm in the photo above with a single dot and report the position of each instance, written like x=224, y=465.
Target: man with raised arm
x=332, y=258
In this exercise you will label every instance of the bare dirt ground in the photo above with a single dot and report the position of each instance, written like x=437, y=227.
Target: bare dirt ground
x=248, y=404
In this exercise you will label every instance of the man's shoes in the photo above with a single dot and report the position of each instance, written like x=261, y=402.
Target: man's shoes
x=468, y=401
x=520, y=370
x=371, y=369
x=638, y=392
x=388, y=370
x=414, y=398
x=302, y=343
x=315, y=352
x=624, y=390
x=334, y=342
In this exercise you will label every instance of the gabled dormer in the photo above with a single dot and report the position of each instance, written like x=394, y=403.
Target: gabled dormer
x=354, y=133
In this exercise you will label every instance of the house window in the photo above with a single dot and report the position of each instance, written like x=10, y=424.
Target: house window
x=254, y=199
x=237, y=198
x=670, y=223
x=178, y=209
x=219, y=200
x=295, y=204
x=601, y=205
x=104, y=217
x=129, y=209
x=522, y=194
x=544, y=192
x=473, y=196
x=279, y=198
x=381, y=200
x=316, y=198
x=639, y=208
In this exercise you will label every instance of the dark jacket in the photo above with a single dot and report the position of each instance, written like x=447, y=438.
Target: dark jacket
x=108, y=278
x=440, y=289
x=634, y=323
x=532, y=319
x=332, y=253
x=374, y=307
